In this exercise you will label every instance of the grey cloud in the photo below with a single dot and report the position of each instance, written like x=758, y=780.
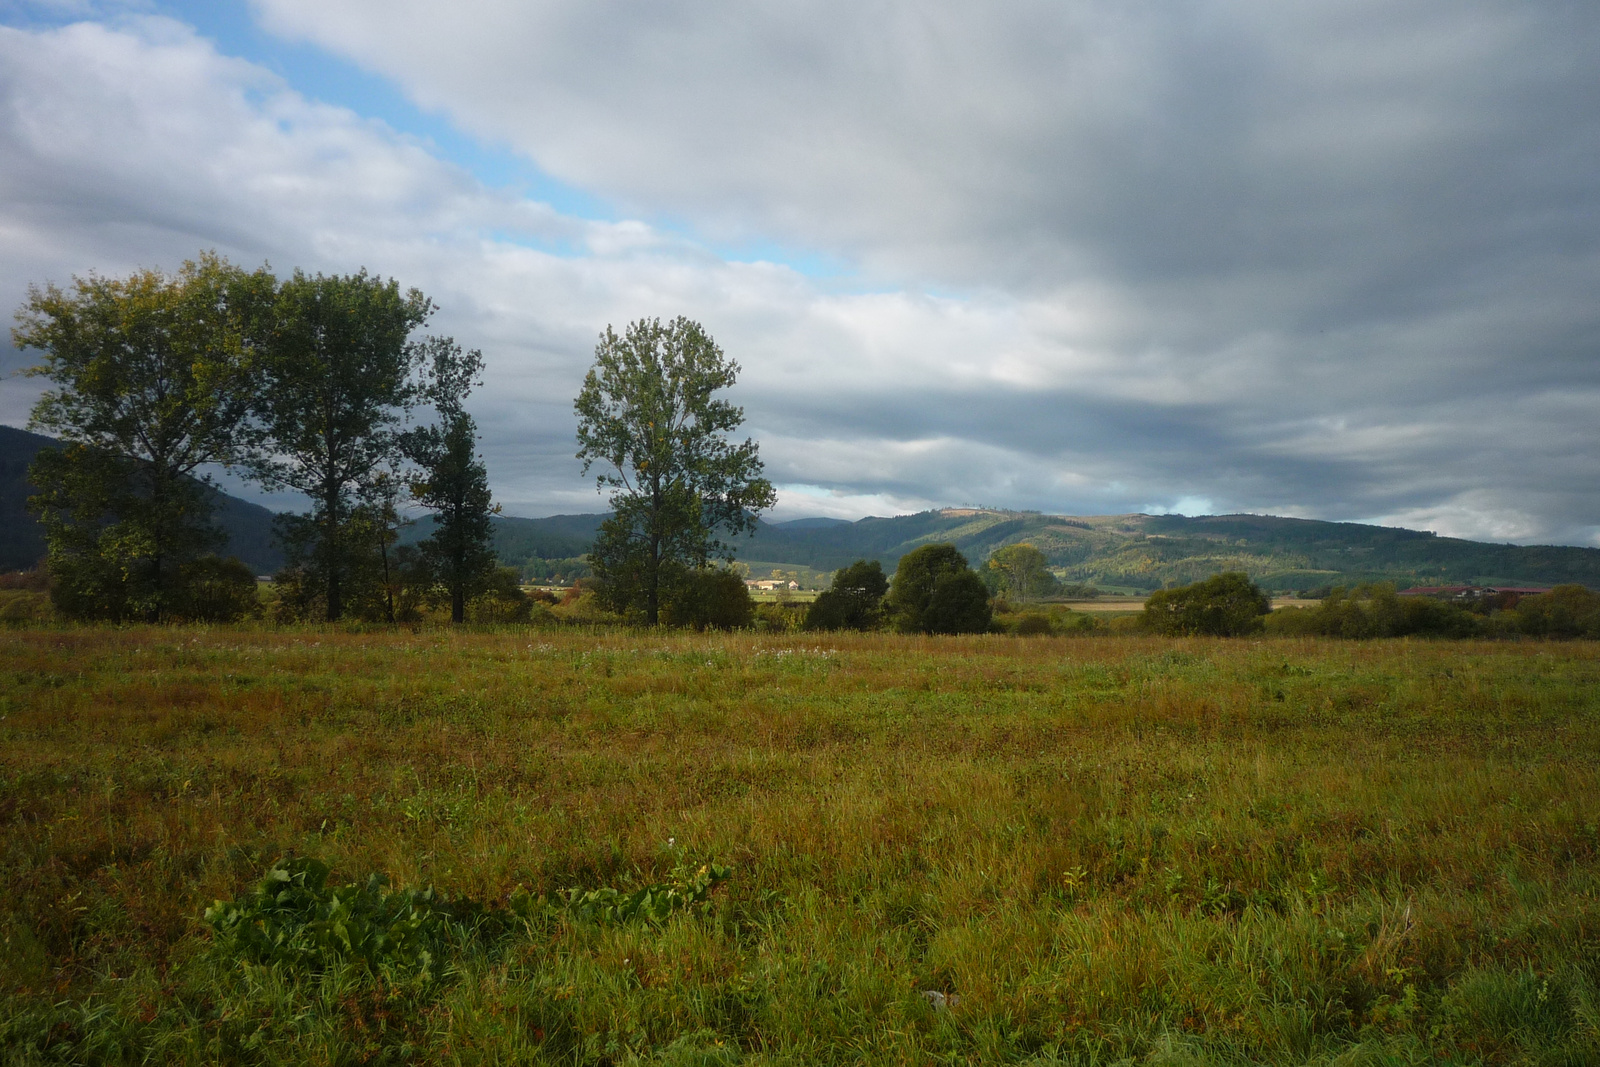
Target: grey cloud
x=1334, y=259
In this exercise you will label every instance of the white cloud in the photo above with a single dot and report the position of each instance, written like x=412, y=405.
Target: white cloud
x=1311, y=258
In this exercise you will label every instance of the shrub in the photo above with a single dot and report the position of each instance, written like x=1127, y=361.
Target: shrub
x=1032, y=623
x=853, y=602
x=216, y=590
x=22, y=607
x=503, y=600
x=711, y=598
x=1376, y=611
x=1565, y=611
x=1224, y=605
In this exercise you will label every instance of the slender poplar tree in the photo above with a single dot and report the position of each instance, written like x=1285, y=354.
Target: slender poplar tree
x=647, y=411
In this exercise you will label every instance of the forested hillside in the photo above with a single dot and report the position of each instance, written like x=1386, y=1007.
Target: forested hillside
x=1148, y=551
x=248, y=526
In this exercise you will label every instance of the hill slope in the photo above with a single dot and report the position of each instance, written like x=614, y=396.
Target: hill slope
x=248, y=526
x=1147, y=551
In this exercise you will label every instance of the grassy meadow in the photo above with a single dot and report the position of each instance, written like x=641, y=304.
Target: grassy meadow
x=1105, y=849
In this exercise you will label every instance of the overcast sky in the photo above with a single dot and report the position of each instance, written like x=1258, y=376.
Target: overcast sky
x=1337, y=260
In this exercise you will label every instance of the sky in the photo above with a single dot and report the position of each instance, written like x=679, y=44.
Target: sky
x=1331, y=260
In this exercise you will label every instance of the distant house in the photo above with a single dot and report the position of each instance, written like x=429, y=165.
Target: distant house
x=1470, y=592
x=769, y=585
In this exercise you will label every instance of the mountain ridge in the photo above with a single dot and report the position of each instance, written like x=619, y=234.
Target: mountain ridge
x=1141, y=551
x=248, y=526
x=1134, y=551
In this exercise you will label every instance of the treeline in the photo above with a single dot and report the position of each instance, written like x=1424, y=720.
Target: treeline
x=313, y=383
x=1378, y=611
x=1232, y=605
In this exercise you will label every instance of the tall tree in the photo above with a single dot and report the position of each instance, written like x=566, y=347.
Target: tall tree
x=338, y=381
x=451, y=480
x=155, y=375
x=1022, y=568
x=647, y=410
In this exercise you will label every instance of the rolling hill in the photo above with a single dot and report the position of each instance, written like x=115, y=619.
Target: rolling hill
x=248, y=526
x=1141, y=551
x=1138, y=552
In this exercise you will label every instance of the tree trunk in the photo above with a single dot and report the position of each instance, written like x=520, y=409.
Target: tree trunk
x=388, y=583
x=330, y=546
x=654, y=562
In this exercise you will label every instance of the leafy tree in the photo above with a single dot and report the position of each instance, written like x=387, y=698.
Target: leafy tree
x=935, y=591
x=853, y=602
x=452, y=481
x=1224, y=605
x=1024, y=571
x=155, y=376
x=647, y=411
x=338, y=380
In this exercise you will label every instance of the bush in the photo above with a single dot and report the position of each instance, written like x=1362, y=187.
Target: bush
x=23, y=607
x=217, y=590
x=1032, y=623
x=1376, y=611
x=712, y=598
x=1565, y=611
x=1224, y=605
x=853, y=602
x=503, y=600
x=781, y=618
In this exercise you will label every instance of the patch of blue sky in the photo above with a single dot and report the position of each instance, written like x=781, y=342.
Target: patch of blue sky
x=330, y=79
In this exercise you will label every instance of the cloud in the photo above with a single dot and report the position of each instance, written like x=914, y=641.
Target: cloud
x=1328, y=260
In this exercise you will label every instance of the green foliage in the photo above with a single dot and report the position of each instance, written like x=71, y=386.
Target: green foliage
x=934, y=591
x=154, y=375
x=499, y=598
x=337, y=382
x=1224, y=605
x=216, y=590
x=1565, y=611
x=373, y=577
x=295, y=920
x=853, y=602
x=452, y=480
x=711, y=598
x=646, y=410
x=687, y=887
x=1022, y=572
x=1376, y=611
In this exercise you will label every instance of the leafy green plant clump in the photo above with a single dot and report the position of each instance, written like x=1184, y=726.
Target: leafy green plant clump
x=296, y=920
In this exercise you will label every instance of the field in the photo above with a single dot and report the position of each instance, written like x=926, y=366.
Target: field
x=973, y=850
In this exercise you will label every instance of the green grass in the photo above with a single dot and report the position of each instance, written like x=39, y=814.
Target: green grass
x=1100, y=849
